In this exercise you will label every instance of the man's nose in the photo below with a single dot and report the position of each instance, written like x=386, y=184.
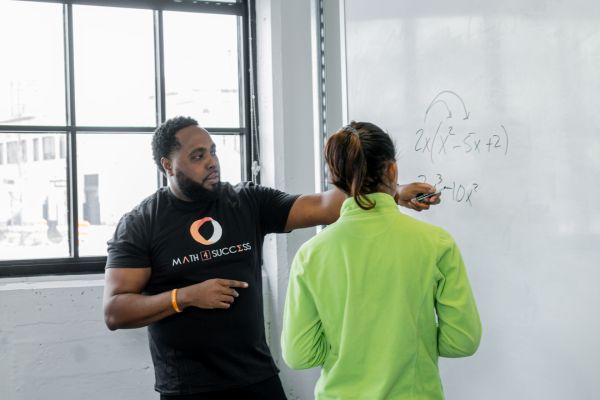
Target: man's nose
x=212, y=162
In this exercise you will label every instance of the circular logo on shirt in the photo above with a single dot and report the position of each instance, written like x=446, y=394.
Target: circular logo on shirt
x=217, y=231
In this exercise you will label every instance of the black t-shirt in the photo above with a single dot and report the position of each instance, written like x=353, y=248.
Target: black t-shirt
x=185, y=243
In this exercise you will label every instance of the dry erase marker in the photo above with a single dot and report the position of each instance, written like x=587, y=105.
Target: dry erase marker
x=422, y=196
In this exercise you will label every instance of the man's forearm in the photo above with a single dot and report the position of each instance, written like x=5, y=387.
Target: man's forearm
x=133, y=310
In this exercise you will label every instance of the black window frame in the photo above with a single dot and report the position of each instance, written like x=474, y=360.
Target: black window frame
x=247, y=131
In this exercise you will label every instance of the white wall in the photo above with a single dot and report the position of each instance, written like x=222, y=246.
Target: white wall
x=54, y=344
x=53, y=341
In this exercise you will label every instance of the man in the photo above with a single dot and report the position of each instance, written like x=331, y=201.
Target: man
x=186, y=262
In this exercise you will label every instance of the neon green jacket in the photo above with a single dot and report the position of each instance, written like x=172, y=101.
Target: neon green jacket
x=362, y=302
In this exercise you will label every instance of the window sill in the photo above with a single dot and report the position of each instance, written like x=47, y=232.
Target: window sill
x=51, y=282
x=63, y=266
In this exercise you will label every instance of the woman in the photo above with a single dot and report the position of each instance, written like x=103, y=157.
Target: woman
x=377, y=296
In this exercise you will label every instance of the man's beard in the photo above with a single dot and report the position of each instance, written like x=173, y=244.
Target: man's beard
x=193, y=190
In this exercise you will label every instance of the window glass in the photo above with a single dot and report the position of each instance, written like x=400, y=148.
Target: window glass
x=49, y=147
x=230, y=160
x=114, y=86
x=114, y=66
x=114, y=179
x=115, y=172
x=12, y=152
x=32, y=77
x=33, y=203
x=201, y=68
x=23, y=150
x=36, y=149
x=62, y=147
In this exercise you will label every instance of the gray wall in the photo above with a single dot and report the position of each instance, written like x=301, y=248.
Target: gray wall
x=53, y=341
x=54, y=344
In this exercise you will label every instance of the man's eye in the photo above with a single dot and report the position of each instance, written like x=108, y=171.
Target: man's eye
x=213, y=153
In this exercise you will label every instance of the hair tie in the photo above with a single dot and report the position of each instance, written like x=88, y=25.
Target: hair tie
x=351, y=129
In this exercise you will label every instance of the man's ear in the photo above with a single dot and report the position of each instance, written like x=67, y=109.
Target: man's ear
x=166, y=164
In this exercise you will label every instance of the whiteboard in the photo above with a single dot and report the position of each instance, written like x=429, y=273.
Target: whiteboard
x=499, y=102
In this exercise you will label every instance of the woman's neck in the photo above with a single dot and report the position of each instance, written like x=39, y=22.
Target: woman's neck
x=388, y=189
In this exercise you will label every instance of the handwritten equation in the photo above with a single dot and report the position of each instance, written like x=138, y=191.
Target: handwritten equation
x=459, y=192
x=441, y=137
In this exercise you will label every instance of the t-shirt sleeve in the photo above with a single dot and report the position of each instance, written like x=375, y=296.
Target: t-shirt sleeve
x=274, y=207
x=129, y=246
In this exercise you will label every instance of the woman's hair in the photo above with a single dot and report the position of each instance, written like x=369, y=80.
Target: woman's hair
x=357, y=156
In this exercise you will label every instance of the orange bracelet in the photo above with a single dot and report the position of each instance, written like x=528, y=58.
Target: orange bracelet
x=174, y=301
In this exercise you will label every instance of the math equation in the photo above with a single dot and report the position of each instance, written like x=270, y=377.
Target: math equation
x=457, y=191
x=448, y=130
x=440, y=136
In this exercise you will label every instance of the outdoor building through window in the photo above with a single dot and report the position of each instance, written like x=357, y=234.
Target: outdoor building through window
x=82, y=89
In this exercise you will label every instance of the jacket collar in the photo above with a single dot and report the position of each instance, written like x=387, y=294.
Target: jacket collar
x=383, y=203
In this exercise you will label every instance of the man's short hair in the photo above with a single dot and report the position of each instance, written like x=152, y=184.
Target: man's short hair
x=164, y=141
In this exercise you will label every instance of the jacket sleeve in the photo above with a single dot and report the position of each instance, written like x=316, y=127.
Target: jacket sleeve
x=459, y=326
x=303, y=341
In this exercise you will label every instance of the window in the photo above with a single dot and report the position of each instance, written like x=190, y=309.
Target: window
x=12, y=152
x=49, y=148
x=80, y=96
x=36, y=149
x=114, y=68
x=23, y=148
x=62, y=147
x=194, y=86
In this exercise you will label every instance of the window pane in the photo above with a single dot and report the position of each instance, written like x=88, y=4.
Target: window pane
x=230, y=159
x=201, y=68
x=32, y=69
x=12, y=152
x=49, y=147
x=62, y=147
x=23, y=148
x=33, y=202
x=114, y=66
x=115, y=172
x=36, y=149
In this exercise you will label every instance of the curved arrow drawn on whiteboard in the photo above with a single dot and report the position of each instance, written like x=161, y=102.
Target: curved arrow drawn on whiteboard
x=437, y=99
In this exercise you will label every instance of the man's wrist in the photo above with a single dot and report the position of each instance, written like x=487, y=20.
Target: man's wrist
x=183, y=298
x=174, y=304
x=397, y=197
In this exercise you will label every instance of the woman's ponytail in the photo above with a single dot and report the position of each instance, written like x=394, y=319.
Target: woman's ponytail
x=356, y=156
